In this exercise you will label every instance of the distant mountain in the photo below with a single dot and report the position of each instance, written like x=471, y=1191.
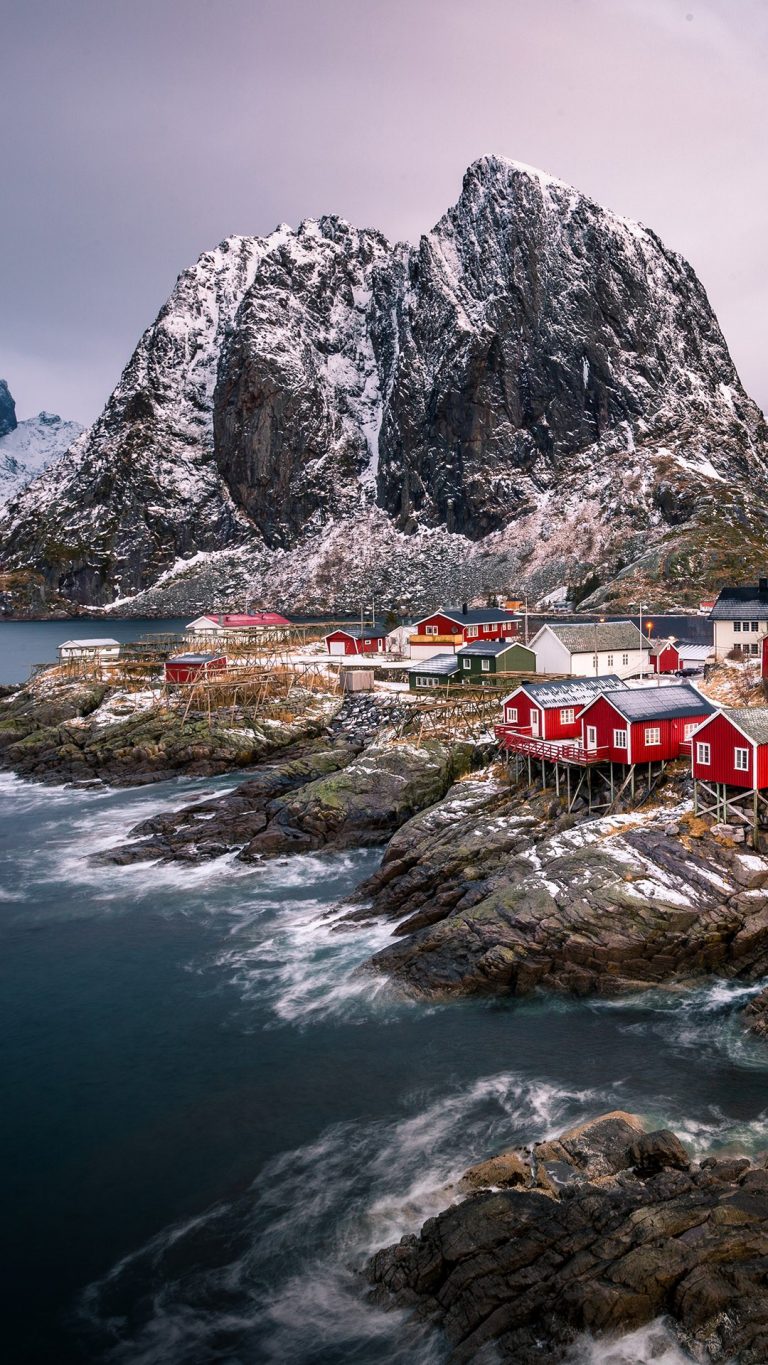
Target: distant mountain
x=537, y=394
x=7, y=409
x=29, y=447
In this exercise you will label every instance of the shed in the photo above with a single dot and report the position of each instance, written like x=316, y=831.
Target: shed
x=644, y=724
x=370, y=639
x=483, y=660
x=190, y=668
x=442, y=670
x=102, y=649
x=731, y=747
x=665, y=656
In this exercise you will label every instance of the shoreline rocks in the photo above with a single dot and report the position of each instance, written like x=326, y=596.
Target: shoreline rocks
x=600, y=1232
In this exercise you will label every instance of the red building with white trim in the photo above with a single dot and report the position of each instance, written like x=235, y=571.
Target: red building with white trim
x=665, y=657
x=552, y=710
x=480, y=623
x=357, y=640
x=731, y=748
x=643, y=724
x=189, y=668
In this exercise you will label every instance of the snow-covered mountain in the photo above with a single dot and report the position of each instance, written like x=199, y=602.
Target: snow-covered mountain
x=537, y=393
x=30, y=446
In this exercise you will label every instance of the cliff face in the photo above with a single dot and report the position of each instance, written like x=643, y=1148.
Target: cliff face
x=538, y=391
x=7, y=410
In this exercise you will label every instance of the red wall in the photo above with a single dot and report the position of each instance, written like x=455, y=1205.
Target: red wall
x=187, y=673
x=353, y=646
x=605, y=719
x=723, y=738
x=557, y=729
x=765, y=657
x=524, y=707
x=496, y=630
x=666, y=662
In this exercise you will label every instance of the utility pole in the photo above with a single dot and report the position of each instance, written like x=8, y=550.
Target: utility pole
x=526, y=618
x=642, y=651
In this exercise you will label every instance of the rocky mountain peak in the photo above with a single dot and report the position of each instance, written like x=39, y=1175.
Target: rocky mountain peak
x=7, y=409
x=536, y=392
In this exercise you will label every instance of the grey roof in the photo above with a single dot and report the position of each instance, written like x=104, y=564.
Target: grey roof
x=660, y=703
x=443, y=664
x=572, y=691
x=476, y=616
x=746, y=603
x=659, y=646
x=695, y=651
x=753, y=720
x=195, y=658
x=581, y=639
x=366, y=633
x=87, y=644
x=493, y=647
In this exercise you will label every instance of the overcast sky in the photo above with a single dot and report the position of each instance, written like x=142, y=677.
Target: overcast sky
x=138, y=133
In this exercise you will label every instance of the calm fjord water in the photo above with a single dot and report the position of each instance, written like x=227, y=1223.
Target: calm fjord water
x=209, y=1116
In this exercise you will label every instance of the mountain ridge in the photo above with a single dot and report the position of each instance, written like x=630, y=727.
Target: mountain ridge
x=536, y=393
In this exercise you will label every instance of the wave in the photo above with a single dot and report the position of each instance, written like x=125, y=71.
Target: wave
x=654, y=1344
x=273, y=1276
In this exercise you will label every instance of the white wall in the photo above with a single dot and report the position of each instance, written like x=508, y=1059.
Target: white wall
x=551, y=655
x=726, y=637
x=612, y=661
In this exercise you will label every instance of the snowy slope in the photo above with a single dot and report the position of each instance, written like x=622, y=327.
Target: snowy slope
x=31, y=447
x=538, y=391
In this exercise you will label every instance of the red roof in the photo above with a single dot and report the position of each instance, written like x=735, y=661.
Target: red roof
x=242, y=620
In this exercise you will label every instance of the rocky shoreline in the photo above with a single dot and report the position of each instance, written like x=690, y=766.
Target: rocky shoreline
x=598, y=1232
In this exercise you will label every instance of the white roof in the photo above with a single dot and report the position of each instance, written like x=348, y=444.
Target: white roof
x=88, y=644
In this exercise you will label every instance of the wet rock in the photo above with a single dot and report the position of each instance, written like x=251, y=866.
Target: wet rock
x=755, y=1014
x=518, y=1274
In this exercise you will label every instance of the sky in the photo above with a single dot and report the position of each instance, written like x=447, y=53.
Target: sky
x=139, y=133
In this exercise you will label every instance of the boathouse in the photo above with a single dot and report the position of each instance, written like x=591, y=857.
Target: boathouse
x=190, y=668
x=370, y=639
x=643, y=724
x=441, y=671
x=552, y=710
x=100, y=650
x=729, y=763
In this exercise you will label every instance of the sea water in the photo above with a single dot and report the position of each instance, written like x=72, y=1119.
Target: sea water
x=211, y=1115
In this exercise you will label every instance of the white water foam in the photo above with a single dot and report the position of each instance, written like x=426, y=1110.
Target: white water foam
x=308, y=1223
x=654, y=1344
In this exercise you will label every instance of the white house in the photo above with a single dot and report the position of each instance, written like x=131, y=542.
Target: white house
x=103, y=650
x=591, y=649
x=232, y=622
x=740, y=617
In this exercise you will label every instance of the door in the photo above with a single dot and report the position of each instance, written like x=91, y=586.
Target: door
x=338, y=647
x=535, y=723
x=591, y=738
x=380, y=646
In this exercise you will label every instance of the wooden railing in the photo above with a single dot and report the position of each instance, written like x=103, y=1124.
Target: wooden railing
x=563, y=751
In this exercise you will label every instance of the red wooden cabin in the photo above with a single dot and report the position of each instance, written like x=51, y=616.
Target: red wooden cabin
x=643, y=724
x=189, y=668
x=552, y=710
x=764, y=658
x=731, y=747
x=665, y=657
x=357, y=640
x=481, y=623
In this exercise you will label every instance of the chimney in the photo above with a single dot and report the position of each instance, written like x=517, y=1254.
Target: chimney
x=763, y=585
x=463, y=608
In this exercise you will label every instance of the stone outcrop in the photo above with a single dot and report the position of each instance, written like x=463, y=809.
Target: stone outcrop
x=598, y=1233
x=7, y=410
x=535, y=393
x=496, y=893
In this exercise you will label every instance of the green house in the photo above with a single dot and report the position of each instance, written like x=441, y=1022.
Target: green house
x=483, y=660
x=439, y=672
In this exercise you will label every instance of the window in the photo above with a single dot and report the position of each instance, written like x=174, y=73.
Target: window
x=567, y=715
x=754, y=649
x=652, y=734
x=620, y=739
x=688, y=728
x=741, y=760
x=488, y=630
x=423, y=682
x=511, y=715
x=754, y=626
x=594, y=661
x=609, y=661
x=430, y=630
x=466, y=663
x=625, y=659
x=704, y=754
x=485, y=665
x=737, y=627
x=471, y=631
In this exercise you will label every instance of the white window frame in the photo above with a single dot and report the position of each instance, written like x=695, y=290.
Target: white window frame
x=422, y=682
x=624, y=660
x=567, y=715
x=471, y=630
x=431, y=630
x=594, y=661
x=620, y=739
x=737, y=627
x=609, y=661
x=511, y=715
x=688, y=728
x=703, y=753
x=740, y=754
x=754, y=626
x=485, y=665
x=466, y=663
x=649, y=731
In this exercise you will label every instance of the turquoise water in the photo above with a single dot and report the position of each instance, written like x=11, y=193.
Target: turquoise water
x=210, y=1116
x=25, y=643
